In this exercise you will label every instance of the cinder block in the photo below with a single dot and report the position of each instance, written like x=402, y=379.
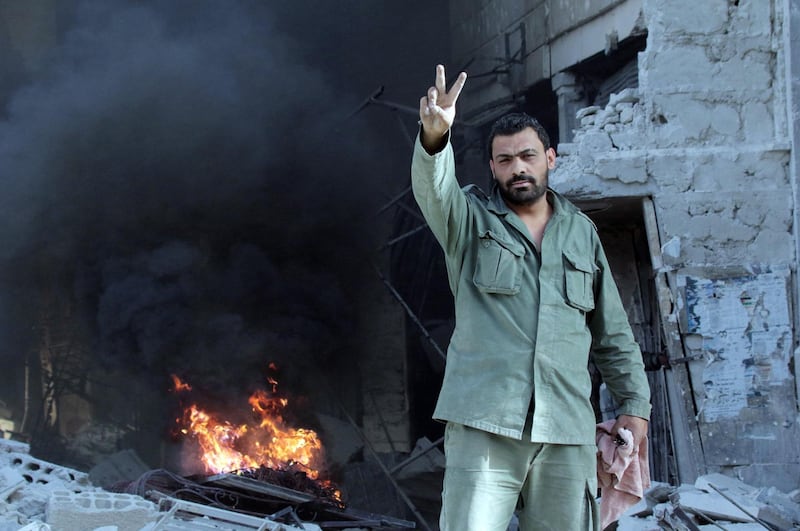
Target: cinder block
x=90, y=510
x=9, y=446
x=41, y=472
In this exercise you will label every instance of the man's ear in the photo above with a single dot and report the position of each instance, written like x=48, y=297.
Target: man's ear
x=491, y=167
x=551, y=158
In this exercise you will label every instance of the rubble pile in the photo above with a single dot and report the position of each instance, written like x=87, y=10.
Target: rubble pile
x=715, y=501
x=39, y=496
x=618, y=126
x=36, y=495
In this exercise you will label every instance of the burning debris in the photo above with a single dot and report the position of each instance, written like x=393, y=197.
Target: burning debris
x=265, y=441
x=254, y=469
x=43, y=496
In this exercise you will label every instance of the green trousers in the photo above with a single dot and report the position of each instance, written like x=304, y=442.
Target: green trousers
x=488, y=477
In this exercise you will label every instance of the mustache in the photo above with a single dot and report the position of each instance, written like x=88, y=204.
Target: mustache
x=522, y=178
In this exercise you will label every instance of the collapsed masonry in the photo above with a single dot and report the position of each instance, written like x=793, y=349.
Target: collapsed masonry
x=705, y=137
x=40, y=496
x=692, y=156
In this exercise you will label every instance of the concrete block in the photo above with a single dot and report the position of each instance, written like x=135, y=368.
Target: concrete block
x=758, y=124
x=587, y=111
x=596, y=142
x=42, y=472
x=625, y=96
x=708, y=16
x=725, y=119
x=566, y=149
x=10, y=481
x=751, y=18
x=681, y=66
x=609, y=115
x=748, y=72
x=626, y=113
x=90, y=510
x=780, y=508
x=681, y=121
x=627, y=170
x=34, y=526
x=712, y=504
x=16, y=447
x=626, y=139
x=671, y=173
x=727, y=484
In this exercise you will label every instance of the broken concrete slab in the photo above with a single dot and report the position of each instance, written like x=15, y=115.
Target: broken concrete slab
x=728, y=485
x=711, y=504
x=122, y=466
x=752, y=500
x=781, y=502
x=632, y=523
x=10, y=481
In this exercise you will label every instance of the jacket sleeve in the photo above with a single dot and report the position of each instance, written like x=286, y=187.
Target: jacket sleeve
x=442, y=201
x=616, y=353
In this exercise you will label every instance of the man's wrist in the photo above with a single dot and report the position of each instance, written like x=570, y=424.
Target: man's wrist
x=432, y=143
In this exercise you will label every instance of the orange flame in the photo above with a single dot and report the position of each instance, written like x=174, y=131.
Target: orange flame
x=179, y=385
x=268, y=441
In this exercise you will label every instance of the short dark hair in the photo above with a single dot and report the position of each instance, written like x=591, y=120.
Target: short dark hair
x=515, y=122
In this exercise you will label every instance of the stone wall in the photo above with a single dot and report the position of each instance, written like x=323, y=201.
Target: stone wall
x=708, y=136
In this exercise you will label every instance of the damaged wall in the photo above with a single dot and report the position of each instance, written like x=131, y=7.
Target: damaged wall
x=706, y=134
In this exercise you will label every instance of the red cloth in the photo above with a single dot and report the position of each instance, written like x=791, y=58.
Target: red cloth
x=623, y=472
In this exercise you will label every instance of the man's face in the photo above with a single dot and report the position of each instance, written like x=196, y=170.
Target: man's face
x=521, y=165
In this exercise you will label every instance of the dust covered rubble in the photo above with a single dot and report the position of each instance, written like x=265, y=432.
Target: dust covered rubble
x=36, y=495
x=715, y=501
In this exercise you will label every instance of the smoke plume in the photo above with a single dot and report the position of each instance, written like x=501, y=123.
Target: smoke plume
x=185, y=193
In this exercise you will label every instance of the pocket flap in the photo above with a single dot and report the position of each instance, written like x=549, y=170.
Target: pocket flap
x=581, y=263
x=515, y=248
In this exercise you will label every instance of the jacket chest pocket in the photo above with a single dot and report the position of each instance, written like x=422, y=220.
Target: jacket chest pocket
x=579, y=281
x=498, y=265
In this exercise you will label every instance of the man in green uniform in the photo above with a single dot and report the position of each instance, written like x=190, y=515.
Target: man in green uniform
x=533, y=296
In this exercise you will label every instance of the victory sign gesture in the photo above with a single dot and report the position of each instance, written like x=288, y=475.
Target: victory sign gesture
x=437, y=110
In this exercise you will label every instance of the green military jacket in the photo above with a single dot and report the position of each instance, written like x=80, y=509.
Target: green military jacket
x=526, y=319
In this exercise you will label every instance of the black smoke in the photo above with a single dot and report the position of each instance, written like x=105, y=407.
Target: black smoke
x=183, y=183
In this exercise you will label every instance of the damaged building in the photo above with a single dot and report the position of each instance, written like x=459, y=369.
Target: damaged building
x=675, y=123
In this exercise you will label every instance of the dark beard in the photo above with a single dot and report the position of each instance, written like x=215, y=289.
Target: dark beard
x=523, y=197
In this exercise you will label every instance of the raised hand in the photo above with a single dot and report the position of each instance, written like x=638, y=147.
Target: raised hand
x=437, y=110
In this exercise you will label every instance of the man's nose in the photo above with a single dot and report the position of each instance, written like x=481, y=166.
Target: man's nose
x=517, y=167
